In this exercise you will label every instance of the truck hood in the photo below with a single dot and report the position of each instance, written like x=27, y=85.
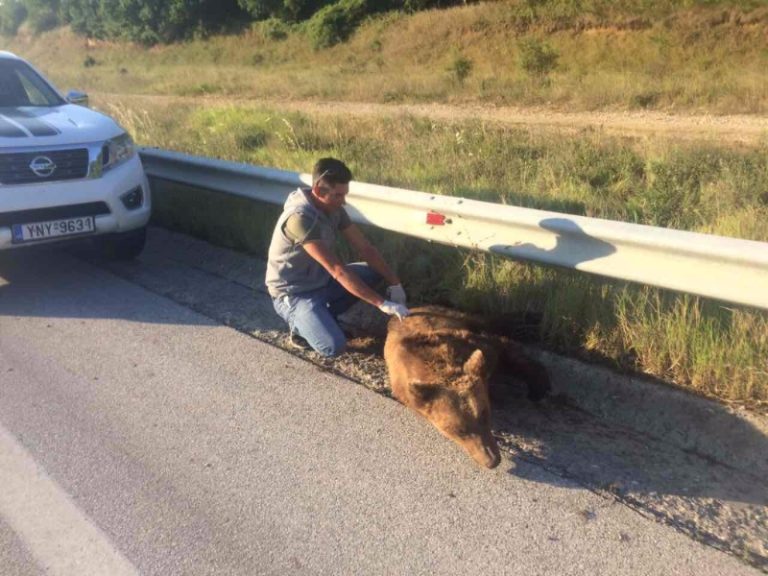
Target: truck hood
x=37, y=126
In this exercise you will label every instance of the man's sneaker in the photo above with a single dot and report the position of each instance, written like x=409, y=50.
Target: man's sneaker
x=297, y=342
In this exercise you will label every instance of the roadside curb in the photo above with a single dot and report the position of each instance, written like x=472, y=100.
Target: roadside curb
x=731, y=436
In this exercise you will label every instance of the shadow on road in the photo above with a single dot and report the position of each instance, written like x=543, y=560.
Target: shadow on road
x=552, y=441
x=55, y=284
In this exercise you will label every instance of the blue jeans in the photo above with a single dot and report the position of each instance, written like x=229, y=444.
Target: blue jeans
x=312, y=315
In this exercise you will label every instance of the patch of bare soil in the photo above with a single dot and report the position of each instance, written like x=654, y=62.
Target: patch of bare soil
x=729, y=129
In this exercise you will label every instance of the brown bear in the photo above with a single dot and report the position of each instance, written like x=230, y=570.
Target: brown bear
x=440, y=362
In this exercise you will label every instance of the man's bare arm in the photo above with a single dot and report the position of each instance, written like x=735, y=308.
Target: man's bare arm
x=368, y=252
x=348, y=279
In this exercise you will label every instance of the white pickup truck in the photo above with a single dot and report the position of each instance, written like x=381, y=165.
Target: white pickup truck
x=65, y=171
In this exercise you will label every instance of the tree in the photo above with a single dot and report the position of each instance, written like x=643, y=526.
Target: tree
x=86, y=16
x=153, y=21
x=336, y=22
x=262, y=9
x=149, y=21
x=12, y=14
x=43, y=15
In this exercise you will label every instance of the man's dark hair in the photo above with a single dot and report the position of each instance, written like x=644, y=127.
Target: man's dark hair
x=331, y=171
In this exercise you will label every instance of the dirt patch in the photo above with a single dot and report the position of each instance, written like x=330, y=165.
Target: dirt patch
x=731, y=129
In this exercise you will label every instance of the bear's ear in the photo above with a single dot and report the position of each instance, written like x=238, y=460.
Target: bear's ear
x=424, y=392
x=476, y=364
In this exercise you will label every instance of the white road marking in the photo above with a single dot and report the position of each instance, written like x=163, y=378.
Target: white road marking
x=57, y=534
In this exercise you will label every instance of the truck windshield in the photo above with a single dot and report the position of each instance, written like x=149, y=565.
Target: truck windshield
x=20, y=85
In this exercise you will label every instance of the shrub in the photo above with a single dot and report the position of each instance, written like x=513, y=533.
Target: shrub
x=261, y=8
x=12, y=14
x=460, y=68
x=42, y=20
x=145, y=21
x=537, y=58
x=416, y=5
x=335, y=23
x=274, y=29
x=647, y=99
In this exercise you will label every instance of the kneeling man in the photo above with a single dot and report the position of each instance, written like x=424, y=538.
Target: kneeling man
x=309, y=285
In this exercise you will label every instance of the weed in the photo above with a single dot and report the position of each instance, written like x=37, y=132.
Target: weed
x=647, y=99
x=200, y=89
x=139, y=123
x=273, y=29
x=288, y=136
x=460, y=68
x=537, y=58
x=252, y=139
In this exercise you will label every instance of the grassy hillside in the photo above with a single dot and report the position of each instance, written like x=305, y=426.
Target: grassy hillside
x=630, y=54
x=715, y=349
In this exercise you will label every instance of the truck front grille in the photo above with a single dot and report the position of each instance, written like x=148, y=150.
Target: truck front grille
x=15, y=168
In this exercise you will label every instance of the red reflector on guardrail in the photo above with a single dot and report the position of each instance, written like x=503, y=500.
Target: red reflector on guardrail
x=435, y=219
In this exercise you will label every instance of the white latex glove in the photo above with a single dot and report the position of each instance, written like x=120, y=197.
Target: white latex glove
x=396, y=294
x=394, y=309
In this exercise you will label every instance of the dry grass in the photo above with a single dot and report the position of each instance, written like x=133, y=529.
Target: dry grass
x=701, y=345
x=621, y=57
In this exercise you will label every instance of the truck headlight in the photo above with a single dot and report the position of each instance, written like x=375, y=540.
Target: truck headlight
x=116, y=151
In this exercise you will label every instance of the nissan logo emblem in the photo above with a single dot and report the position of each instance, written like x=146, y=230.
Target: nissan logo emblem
x=42, y=166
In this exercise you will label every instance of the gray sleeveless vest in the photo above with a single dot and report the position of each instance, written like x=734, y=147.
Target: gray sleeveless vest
x=290, y=270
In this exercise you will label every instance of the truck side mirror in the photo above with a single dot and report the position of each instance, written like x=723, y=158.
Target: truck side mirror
x=77, y=97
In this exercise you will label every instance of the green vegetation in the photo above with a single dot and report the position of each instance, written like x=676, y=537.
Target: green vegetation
x=336, y=22
x=705, y=346
x=537, y=58
x=673, y=56
x=460, y=68
x=151, y=22
x=145, y=21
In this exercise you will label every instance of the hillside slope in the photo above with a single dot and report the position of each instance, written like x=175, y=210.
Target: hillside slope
x=706, y=59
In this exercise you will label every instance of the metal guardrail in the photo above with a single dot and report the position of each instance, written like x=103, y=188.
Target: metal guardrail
x=727, y=269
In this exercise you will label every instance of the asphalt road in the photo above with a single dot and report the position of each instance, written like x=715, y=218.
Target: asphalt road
x=138, y=436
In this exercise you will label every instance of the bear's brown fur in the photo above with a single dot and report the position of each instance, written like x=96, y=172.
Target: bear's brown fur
x=440, y=362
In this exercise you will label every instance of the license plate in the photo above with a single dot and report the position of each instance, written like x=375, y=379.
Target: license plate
x=52, y=229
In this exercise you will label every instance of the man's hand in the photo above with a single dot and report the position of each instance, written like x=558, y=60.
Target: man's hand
x=394, y=309
x=396, y=294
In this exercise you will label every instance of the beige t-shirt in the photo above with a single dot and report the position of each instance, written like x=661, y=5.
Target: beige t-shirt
x=300, y=227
